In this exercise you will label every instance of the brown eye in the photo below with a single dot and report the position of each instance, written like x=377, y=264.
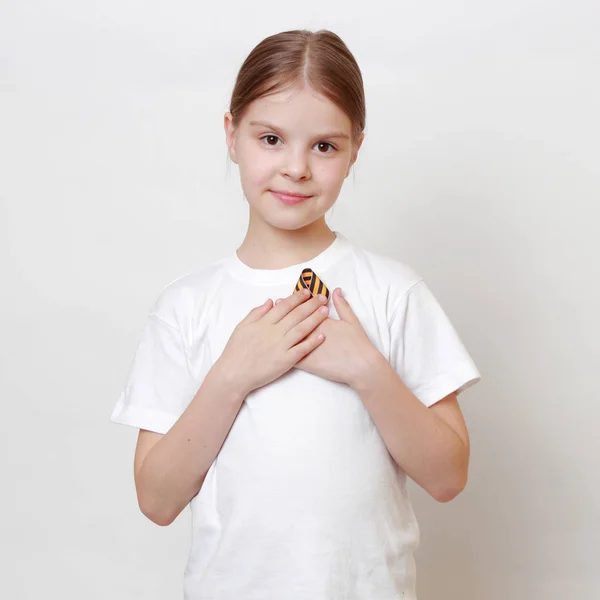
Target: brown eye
x=326, y=144
x=270, y=137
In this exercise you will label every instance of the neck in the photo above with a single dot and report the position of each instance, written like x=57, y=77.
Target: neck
x=268, y=247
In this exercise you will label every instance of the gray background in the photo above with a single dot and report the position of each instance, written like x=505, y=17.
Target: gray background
x=480, y=169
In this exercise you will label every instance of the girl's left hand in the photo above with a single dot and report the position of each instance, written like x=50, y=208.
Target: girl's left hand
x=346, y=353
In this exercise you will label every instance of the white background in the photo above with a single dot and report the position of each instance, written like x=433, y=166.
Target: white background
x=480, y=169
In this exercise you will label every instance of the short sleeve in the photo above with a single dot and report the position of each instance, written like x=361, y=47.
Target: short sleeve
x=159, y=386
x=426, y=350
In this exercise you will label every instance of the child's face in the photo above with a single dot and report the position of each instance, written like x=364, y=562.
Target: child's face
x=292, y=151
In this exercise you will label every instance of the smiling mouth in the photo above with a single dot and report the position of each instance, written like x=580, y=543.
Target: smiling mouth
x=288, y=199
x=291, y=194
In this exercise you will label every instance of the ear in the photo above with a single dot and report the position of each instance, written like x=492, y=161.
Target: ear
x=230, y=135
x=355, y=153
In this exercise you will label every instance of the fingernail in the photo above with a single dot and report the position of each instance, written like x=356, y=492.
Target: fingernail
x=322, y=297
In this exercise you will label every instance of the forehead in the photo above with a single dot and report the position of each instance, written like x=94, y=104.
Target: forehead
x=302, y=110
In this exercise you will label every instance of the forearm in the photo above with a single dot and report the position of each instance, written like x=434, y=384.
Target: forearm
x=425, y=447
x=174, y=469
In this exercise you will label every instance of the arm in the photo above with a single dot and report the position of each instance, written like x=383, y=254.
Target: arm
x=431, y=444
x=192, y=444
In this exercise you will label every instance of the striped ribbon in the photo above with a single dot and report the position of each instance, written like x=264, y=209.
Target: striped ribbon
x=311, y=281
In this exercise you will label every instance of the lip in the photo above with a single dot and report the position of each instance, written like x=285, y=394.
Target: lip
x=288, y=198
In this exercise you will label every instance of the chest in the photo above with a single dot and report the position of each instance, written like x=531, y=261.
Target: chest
x=220, y=312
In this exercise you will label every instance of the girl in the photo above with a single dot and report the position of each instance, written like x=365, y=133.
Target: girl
x=291, y=426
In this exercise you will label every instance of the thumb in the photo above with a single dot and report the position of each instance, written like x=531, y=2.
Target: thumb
x=342, y=307
x=258, y=311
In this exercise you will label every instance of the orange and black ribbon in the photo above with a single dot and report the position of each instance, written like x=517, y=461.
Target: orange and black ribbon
x=310, y=280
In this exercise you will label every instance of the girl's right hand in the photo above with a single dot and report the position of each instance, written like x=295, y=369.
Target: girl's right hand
x=271, y=339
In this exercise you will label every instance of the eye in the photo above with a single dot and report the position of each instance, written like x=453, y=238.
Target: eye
x=327, y=144
x=271, y=137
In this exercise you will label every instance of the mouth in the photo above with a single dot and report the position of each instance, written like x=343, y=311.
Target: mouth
x=289, y=197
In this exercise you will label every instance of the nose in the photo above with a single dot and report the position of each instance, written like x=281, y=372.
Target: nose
x=296, y=165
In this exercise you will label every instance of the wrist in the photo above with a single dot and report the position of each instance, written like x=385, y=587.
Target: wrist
x=370, y=370
x=233, y=385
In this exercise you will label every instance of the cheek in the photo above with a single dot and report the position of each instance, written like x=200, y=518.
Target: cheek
x=255, y=167
x=331, y=176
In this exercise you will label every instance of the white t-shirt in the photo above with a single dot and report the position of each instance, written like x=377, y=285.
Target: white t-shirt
x=303, y=501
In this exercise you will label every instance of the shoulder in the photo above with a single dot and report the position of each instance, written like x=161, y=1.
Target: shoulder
x=187, y=295
x=387, y=275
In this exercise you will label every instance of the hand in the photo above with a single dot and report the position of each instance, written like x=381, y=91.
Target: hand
x=270, y=340
x=347, y=351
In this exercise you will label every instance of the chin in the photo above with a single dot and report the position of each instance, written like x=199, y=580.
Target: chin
x=290, y=222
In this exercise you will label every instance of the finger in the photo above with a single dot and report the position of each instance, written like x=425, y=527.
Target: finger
x=299, y=351
x=305, y=326
x=282, y=308
x=258, y=311
x=342, y=307
x=302, y=312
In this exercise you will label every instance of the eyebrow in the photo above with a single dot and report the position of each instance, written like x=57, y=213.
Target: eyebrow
x=335, y=134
